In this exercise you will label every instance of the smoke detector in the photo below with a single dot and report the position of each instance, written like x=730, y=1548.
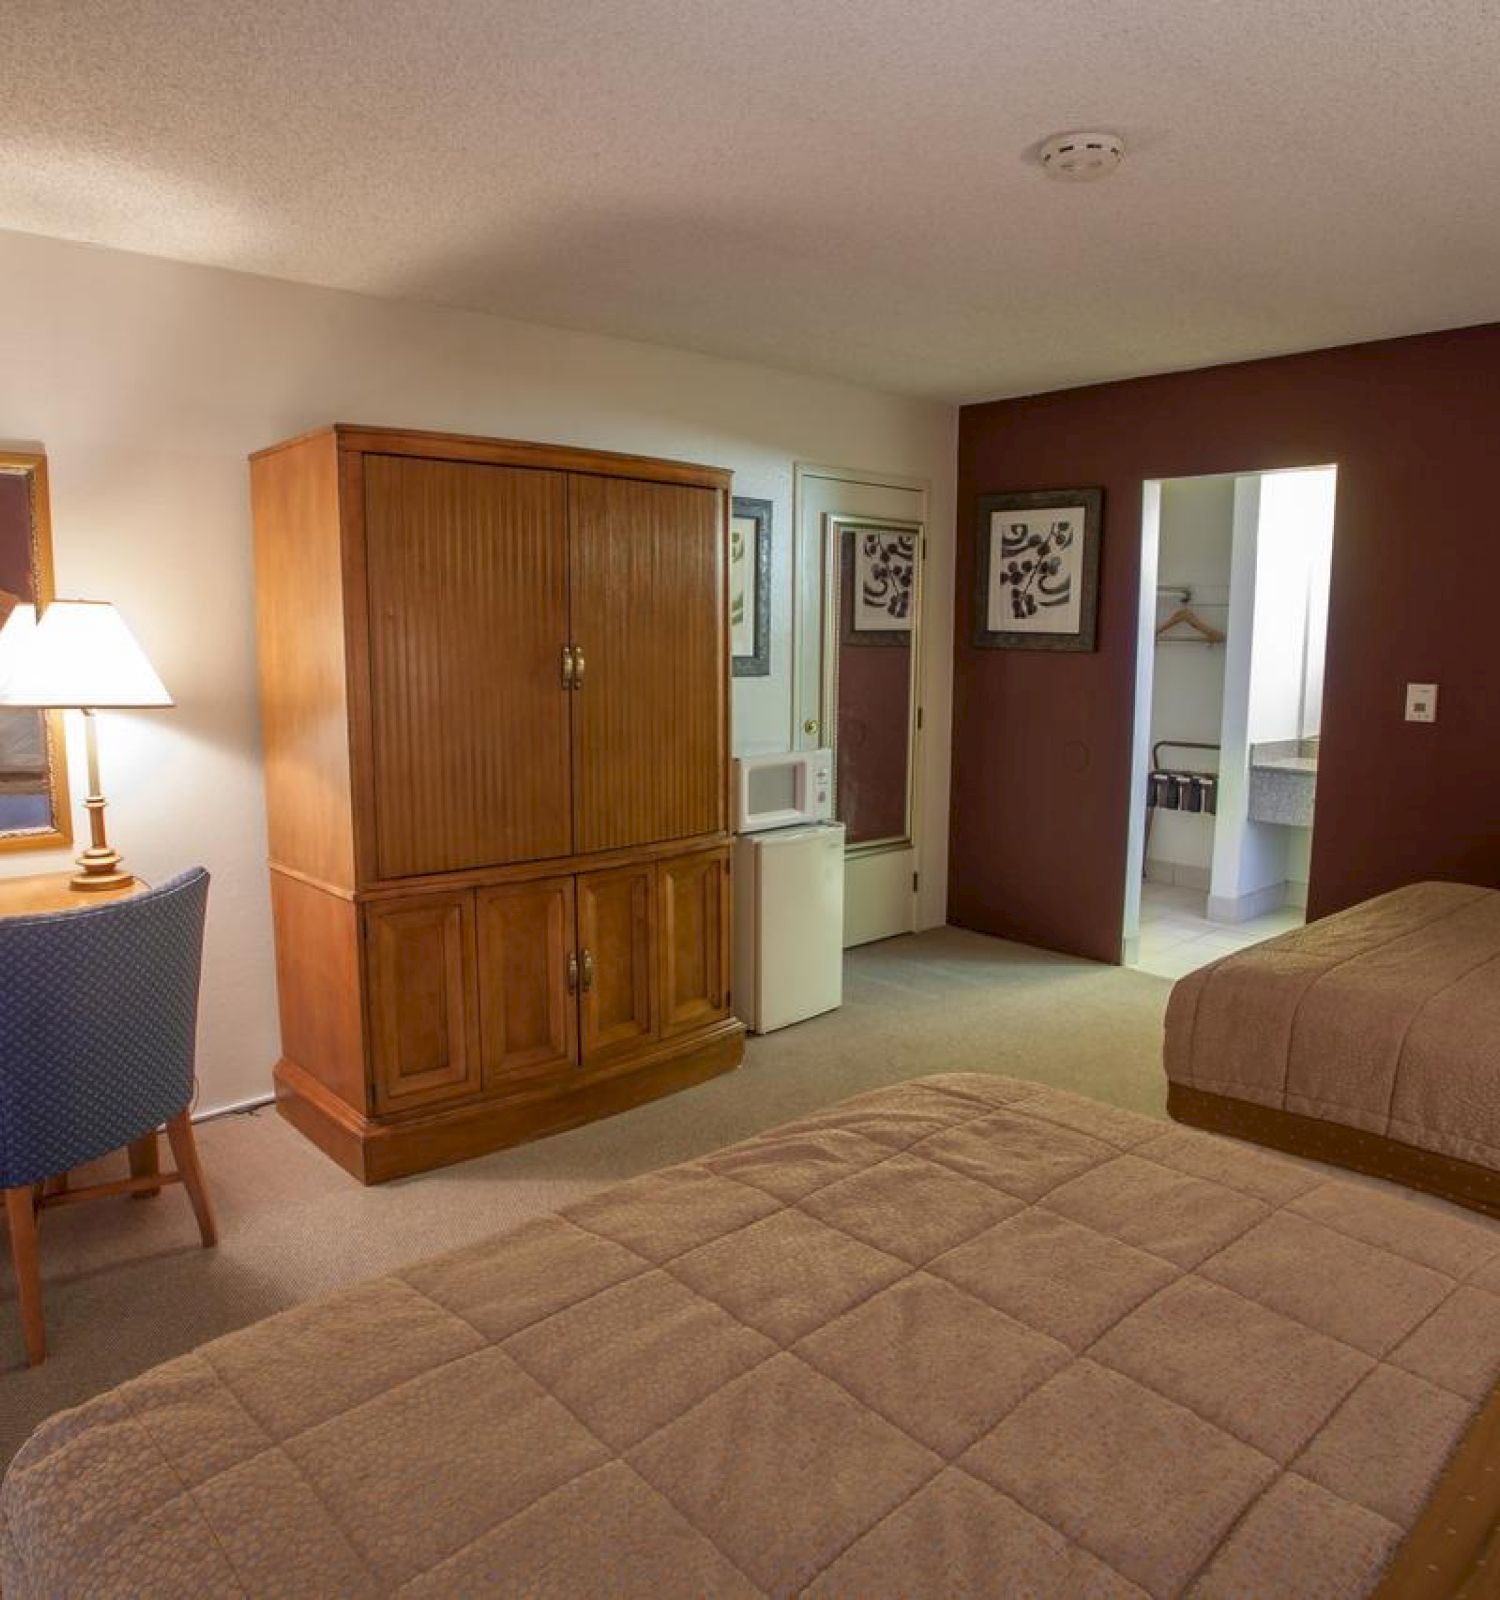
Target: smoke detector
x=1077, y=157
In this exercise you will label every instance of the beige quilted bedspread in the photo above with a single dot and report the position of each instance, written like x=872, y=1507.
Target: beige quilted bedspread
x=1385, y=1017
x=968, y=1336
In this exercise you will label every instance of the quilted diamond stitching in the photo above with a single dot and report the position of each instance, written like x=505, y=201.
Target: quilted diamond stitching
x=992, y=1555
x=448, y=1484
x=1160, y=1345
x=886, y=1358
x=787, y=1273
x=987, y=1100
x=631, y=1358
x=1291, y=1265
x=936, y=1210
x=852, y=1466
x=1069, y=1475
x=1180, y=1218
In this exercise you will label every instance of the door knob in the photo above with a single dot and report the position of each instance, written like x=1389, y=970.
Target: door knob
x=567, y=666
x=810, y=726
x=572, y=973
x=588, y=971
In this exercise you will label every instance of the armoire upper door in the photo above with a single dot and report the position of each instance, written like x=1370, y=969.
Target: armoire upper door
x=649, y=711
x=467, y=568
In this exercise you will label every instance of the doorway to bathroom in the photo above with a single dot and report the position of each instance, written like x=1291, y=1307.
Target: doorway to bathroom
x=1229, y=693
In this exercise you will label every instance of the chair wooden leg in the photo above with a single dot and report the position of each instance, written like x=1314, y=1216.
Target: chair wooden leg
x=20, y=1213
x=185, y=1154
x=145, y=1162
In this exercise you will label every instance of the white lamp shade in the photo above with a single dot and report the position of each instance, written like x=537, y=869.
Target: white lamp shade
x=14, y=637
x=78, y=654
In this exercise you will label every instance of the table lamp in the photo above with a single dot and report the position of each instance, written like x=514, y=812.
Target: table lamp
x=78, y=655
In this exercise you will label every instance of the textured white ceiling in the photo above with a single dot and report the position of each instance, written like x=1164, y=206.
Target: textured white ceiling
x=838, y=186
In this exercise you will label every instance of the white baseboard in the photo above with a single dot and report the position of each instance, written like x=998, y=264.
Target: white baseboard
x=1246, y=907
x=254, y=1103
x=1180, y=873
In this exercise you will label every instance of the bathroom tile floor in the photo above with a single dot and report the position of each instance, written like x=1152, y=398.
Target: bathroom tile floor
x=1177, y=937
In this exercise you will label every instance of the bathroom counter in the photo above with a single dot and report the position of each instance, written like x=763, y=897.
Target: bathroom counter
x=1283, y=782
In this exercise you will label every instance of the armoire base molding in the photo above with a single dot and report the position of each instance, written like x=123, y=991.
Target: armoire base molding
x=377, y=1151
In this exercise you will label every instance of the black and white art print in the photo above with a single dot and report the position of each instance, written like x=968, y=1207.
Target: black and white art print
x=878, y=572
x=1038, y=570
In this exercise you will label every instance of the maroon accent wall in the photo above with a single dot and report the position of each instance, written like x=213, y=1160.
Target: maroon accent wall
x=1042, y=742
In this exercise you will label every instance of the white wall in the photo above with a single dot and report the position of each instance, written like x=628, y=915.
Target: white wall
x=1296, y=558
x=1187, y=683
x=147, y=383
x=1283, y=542
x=1247, y=855
x=1294, y=550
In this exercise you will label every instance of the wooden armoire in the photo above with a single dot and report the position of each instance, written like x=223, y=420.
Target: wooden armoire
x=495, y=691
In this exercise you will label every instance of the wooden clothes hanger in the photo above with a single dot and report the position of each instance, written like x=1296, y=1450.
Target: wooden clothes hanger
x=1186, y=617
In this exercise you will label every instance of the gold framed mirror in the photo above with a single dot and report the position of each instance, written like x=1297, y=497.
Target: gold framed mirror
x=35, y=813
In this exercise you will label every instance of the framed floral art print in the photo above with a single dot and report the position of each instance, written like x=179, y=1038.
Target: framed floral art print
x=1037, y=572
x=750, y=587
x=877, y=579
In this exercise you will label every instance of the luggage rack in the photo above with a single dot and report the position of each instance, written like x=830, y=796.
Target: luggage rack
x=1181, y=788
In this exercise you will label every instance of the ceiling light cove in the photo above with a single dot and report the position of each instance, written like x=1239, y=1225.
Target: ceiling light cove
x=1078, y=157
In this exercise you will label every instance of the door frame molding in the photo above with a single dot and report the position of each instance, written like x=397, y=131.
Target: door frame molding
x=808, y=677
x=871, y=478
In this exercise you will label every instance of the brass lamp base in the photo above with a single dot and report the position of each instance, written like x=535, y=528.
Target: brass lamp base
x=94, y=878
x=99, y=868
x=99, y=865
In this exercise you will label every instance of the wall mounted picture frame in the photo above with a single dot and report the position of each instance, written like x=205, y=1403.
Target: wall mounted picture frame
x=877, y=582
x=750, y=587
x=35, y=811
x=1037, y=572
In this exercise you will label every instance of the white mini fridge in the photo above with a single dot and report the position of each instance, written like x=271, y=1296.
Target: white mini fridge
x=788, y=924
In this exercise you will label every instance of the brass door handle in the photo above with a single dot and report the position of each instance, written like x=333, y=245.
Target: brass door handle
x=578, y=665
x=588, y=971
x=568, y=668
x=572, y=973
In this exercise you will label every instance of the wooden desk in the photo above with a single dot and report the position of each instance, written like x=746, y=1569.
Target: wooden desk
x=51, y=891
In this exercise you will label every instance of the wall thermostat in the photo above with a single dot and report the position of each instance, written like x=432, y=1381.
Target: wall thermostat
x=1421, y=702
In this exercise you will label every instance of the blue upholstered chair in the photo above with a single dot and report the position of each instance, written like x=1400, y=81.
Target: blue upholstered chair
x=98, y=1018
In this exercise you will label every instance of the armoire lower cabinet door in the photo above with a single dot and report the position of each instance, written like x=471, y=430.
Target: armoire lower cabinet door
x=424, y=1042
x=693, y=892
x=528, y=981
x=616, y=959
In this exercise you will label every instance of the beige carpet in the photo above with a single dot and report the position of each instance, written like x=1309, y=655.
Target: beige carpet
x=127, y=1286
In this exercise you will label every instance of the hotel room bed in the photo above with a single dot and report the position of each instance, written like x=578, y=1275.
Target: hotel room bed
x=1370, y=1039
x=963, y=1336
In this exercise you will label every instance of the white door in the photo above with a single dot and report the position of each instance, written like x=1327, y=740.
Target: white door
x=860, y=547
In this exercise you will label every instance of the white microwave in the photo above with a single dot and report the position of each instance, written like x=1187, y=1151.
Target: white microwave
x=782, y=790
